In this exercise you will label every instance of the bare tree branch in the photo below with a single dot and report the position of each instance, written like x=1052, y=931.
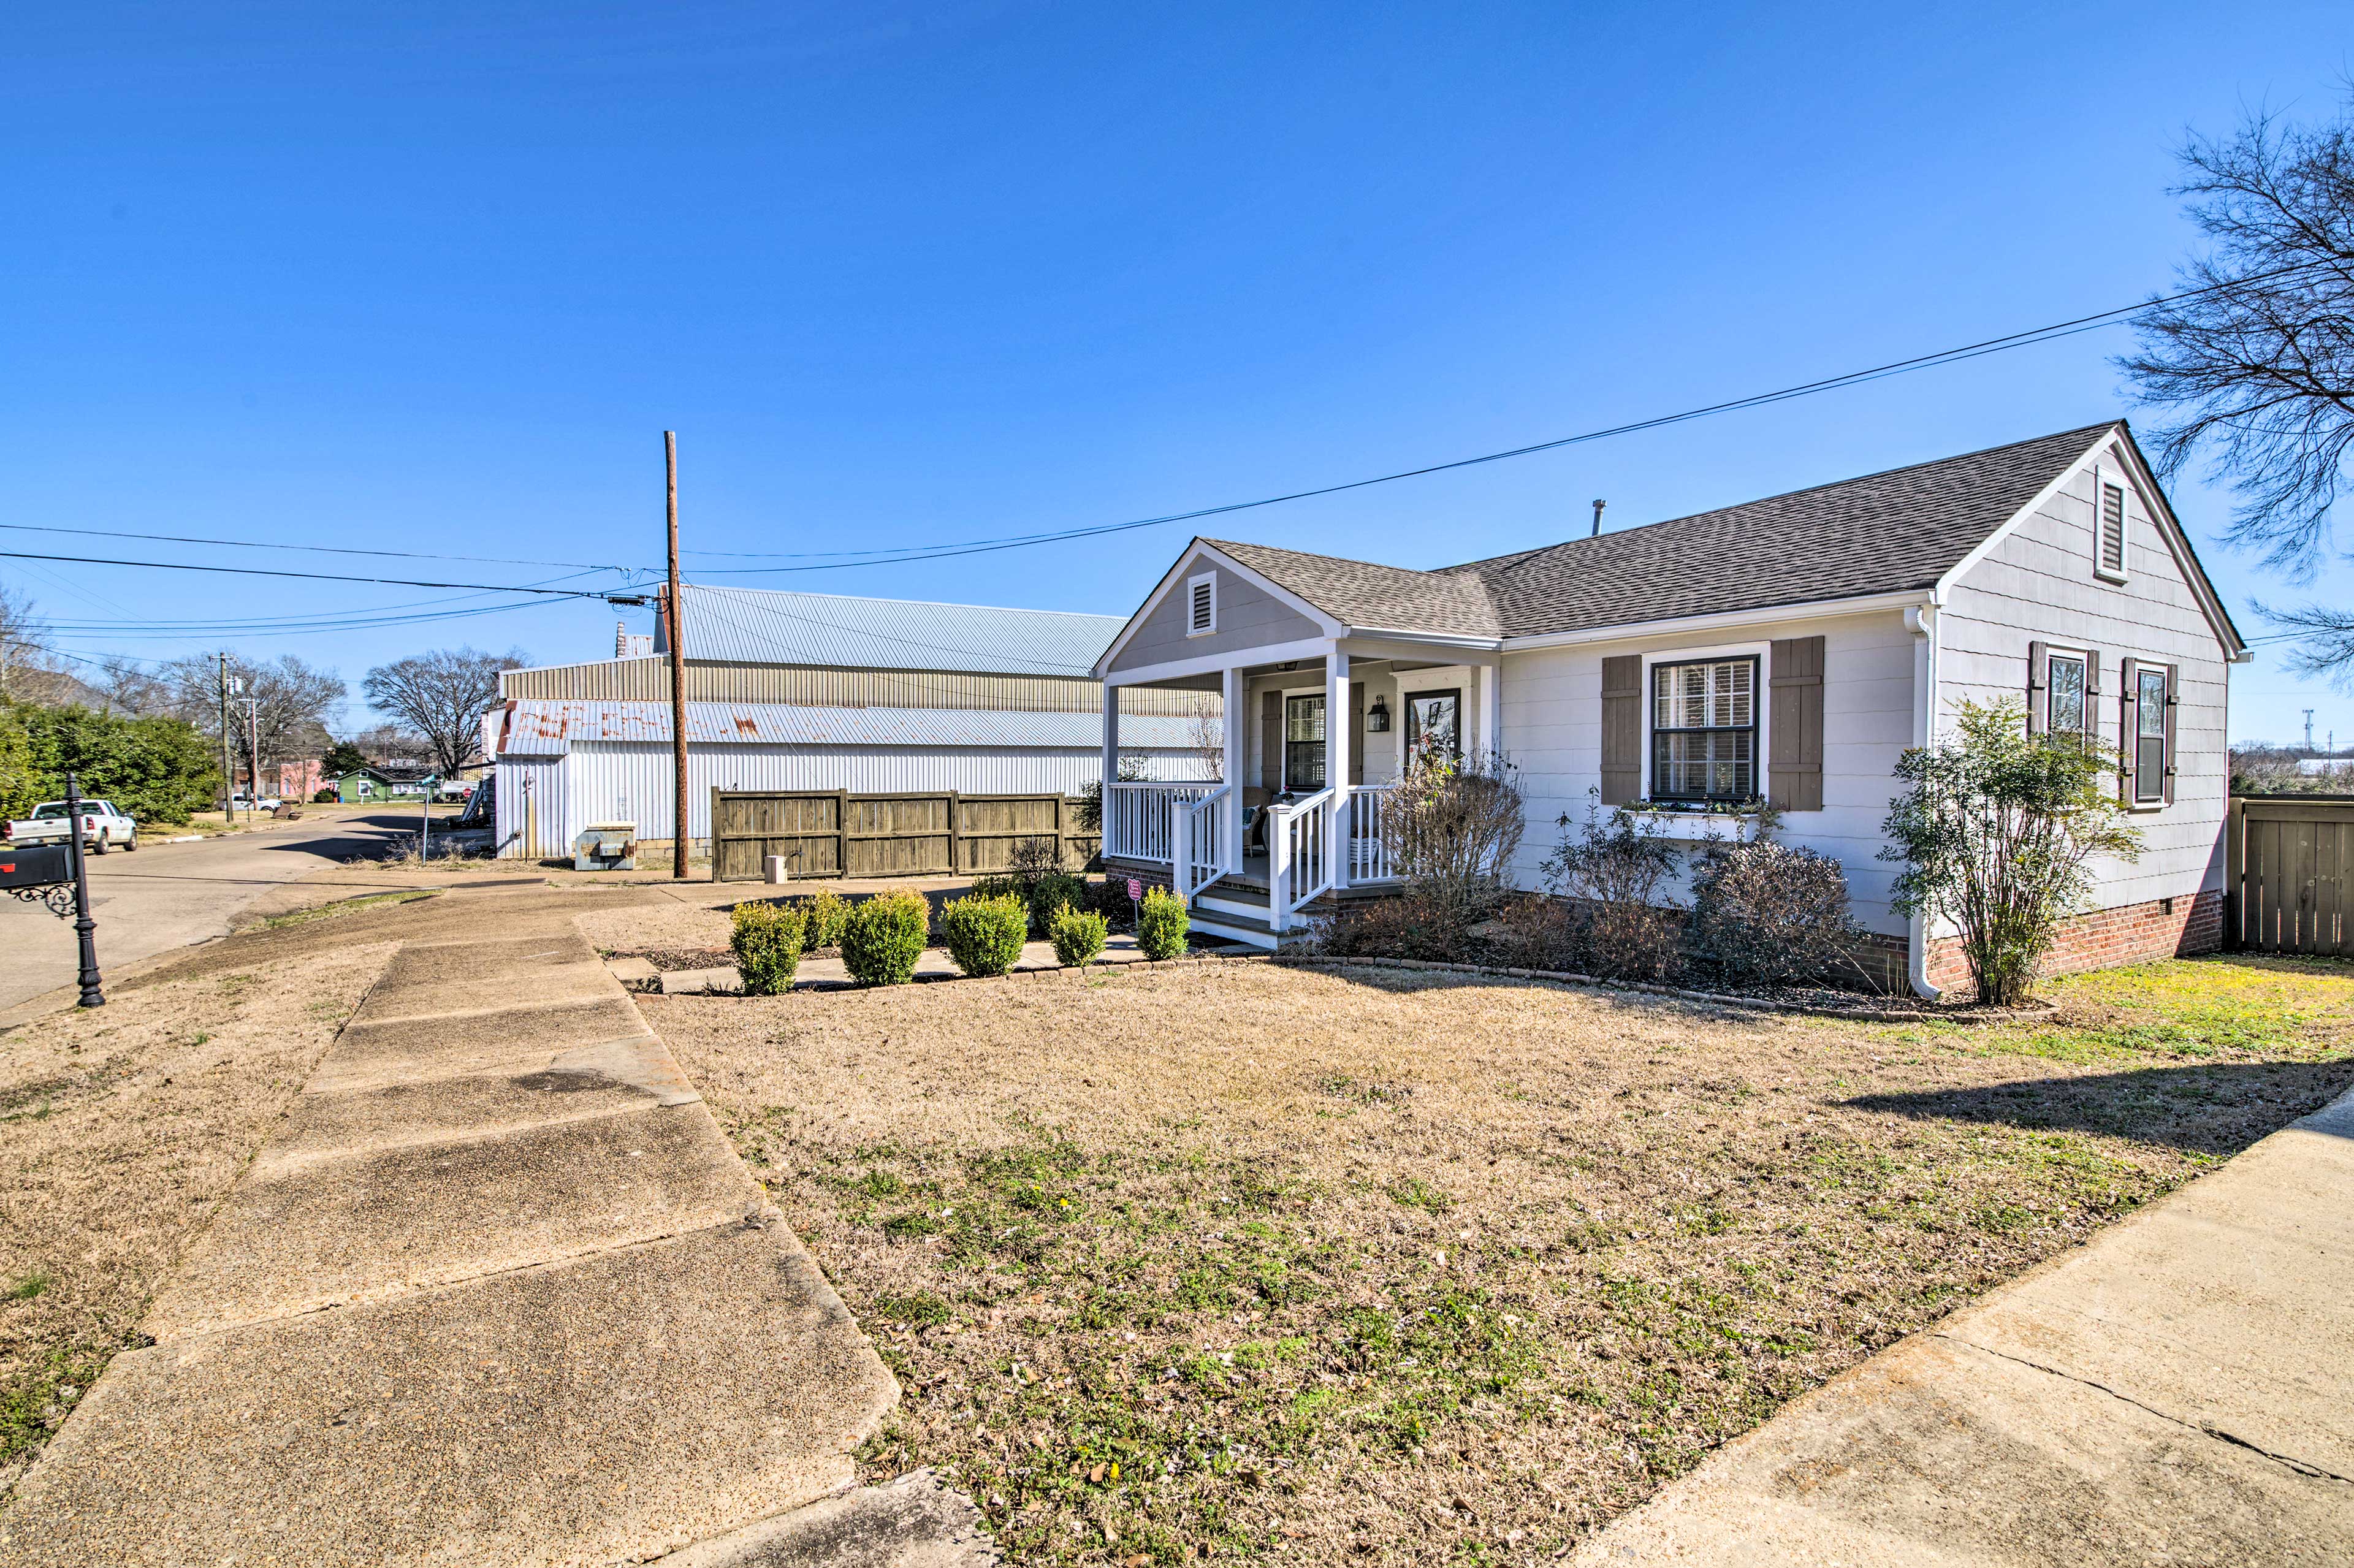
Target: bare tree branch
x=442, y=696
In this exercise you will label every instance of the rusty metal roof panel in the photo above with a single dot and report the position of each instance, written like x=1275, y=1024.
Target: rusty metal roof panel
x=538, y=726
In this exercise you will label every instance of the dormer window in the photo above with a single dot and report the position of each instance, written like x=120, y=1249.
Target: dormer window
x=2109, y=530
x=1202, y=605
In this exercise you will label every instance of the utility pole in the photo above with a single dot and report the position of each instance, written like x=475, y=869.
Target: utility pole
x=2309, y=712
x=679, y=837
x=229, y=784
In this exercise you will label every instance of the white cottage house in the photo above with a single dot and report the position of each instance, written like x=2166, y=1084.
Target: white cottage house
x=1789, y=648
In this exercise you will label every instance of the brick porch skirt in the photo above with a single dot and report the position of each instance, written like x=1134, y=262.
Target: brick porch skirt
x=2128, y=934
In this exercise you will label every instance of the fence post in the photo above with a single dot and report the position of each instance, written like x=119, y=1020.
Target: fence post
x=842, y=834
x=956, y=813
x=2235, y=867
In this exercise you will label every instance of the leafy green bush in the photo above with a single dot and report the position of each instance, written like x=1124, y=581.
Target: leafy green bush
x=884, y=938
x=768, y=942
x=1160, y=925
x=984, y=935
x=1077, y=936
x=1056, y=890
x=1997, y=833
x=155, y=769
x=824, y=917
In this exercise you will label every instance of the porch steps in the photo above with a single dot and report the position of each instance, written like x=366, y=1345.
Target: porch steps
x=1235, y=914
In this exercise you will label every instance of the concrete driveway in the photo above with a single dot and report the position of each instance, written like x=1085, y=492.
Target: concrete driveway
x=169, y=896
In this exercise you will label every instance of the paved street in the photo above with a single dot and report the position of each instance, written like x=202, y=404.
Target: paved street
x=168, y=895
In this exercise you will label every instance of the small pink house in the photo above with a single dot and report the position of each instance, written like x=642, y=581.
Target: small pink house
x=300, y=780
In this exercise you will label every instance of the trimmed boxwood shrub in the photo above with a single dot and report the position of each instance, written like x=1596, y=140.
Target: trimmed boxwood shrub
x=825, y=915
x=984, y=935
x=1160, y=925
x=1055, y=890
x=768, y=942
x=1079, y=936
x=884, y=938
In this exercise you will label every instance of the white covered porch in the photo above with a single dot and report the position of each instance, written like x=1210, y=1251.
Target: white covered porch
x=1310, y=740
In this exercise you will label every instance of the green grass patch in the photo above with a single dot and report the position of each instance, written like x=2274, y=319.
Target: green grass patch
x=348, y=907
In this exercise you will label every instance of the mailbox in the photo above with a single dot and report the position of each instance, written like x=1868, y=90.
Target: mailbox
x=35, y=865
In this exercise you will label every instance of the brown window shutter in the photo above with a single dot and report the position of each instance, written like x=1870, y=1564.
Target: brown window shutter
x=1356, y=732
x=1270, y=741
x=2039, y=680
x=2173, y=702
x=1795, y=762
x=2128, y=702
x=2091, y=695
x=1622, y=729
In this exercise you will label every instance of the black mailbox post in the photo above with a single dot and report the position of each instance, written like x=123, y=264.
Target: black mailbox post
x=55, y=874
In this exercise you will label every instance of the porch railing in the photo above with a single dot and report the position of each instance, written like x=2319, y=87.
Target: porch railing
x=1366, y=852
x=1201, y=842
x=1139, y=819
x=1301, y=863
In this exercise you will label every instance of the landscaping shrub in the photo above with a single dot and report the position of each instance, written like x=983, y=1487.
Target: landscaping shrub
x=1452, y=825
x=1995, y=834
x=984, y=935
x=1766, y=913
x=825, y=915
x=1056, y=890
x=884, y=938
x=325, y=797
x=1079, y=936
x=1160, y=925
x=1617, y=875
x=1415, y=924
x=768, y=942
x=155, y=769
x=1533, y=932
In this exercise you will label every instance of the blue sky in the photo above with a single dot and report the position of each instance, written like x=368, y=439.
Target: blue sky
x=436, y=278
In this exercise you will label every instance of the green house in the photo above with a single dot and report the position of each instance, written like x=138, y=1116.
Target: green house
x=363, y=784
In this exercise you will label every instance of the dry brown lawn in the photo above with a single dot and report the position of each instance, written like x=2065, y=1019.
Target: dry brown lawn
x=120, y=1129
x=1250, y=1262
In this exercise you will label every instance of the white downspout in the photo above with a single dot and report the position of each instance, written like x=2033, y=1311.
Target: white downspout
x=1921, y=620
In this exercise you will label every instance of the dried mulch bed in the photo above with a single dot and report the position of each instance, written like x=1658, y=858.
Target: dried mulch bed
x=1375, y=1265
x=120, y=1129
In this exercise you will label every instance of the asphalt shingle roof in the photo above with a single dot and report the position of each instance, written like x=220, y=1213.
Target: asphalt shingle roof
x=1881, y=533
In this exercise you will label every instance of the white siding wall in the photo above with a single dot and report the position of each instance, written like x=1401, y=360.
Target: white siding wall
x=2039, y=584
x=599, y=781
x=1552, y=722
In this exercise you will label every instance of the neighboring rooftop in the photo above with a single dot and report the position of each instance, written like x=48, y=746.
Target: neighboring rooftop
x=768, y=626
x=1882, y=532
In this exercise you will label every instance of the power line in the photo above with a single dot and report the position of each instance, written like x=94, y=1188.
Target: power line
x=1756, y=400
x=310, y=577
x=322, y=549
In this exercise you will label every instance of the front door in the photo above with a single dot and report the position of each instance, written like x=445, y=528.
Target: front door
x=1303, y=744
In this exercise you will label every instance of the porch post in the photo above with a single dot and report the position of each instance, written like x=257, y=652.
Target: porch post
x=1489, y=683
x=1336, y=763
x=1110, y=763
x=1230, y=764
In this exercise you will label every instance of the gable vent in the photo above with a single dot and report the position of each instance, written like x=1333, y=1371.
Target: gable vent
x=2113, y=530
x=1201, y=605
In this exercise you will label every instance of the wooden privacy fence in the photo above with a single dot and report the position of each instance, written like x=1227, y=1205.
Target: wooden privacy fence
x=2289, y=860
x=837, y=833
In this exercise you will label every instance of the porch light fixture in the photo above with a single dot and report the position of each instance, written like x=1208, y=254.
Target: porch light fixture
x=1377, y=717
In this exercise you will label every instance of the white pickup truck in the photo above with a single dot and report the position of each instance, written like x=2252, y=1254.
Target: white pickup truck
x=103, y=827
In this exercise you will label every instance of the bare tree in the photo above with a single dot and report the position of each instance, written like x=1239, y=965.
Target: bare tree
x=23, y=633
x=389, y=743
x=289, y=701
x=442, y=695
x=131, y=690
x=2257, y=372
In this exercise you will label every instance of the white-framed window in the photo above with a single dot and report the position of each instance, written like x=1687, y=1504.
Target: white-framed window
x=1202, y=605
x=2067, y=692
x=2108, y=528
x=1705, y=729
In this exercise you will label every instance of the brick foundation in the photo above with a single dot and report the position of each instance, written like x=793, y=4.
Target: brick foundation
x=2128, y=934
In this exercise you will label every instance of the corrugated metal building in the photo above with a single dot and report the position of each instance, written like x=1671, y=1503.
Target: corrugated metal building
x=797, y=690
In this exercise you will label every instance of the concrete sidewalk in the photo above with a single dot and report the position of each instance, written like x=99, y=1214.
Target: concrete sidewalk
x=2179, y=1389
x=498, y=1291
